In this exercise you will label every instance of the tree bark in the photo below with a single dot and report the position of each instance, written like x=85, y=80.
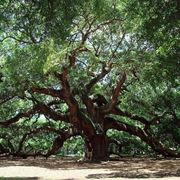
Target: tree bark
x=97, y=147
x=153, y=142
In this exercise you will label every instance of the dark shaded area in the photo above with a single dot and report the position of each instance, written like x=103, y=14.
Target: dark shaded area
x=126, y=167
x=159, y=174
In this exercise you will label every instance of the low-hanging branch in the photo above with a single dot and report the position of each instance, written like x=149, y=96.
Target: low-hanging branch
x=153, y=142
x=59, y=141
x=39, y=108
x=155, y=120
x=16, y=118
x=48, y=91
x=49, y=112
x=63, y=135
x=35, y=131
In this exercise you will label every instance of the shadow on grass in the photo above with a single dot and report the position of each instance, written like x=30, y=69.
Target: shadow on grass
x=159, y=174
x=123, y=167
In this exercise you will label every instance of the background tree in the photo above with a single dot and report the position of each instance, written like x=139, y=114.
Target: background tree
x=92, y=74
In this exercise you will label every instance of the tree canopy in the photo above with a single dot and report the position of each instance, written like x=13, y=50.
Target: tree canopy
x=103, y=70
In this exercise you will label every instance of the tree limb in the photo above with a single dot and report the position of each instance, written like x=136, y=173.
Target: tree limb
x=48, y=91
x=157, y=146
x=105, y=70
x=115, y=93
x=20, y=115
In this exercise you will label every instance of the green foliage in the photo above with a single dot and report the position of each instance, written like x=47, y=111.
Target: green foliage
x=73, y=146
x=37, y=37
x=131, y=145
x=158, y=23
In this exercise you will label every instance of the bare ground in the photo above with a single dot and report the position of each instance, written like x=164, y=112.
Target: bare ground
x=70, y=169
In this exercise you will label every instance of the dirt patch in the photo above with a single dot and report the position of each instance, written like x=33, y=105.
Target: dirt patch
x=69, y=168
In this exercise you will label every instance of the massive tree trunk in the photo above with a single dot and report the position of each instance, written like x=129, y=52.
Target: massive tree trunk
x=96, y=148
x=99, y=147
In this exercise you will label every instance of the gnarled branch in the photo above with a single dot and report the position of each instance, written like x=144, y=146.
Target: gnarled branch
x=115, y=93
x=157, y=146
x=105, y=70
x=48, y=91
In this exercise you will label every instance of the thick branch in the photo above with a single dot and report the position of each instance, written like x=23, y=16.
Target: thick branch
x=48, y=91
x=117, y=111
x=119, y=144
x=5, y=99
x=175, y=118
x=136, y=131
x=147, y=123
x=35, y=131
x=105, y=70
x=26, y=114
x=38, y=108
x=115, y=94
x=70, y=100
x=49, y=112
x=89, y=105
x=68, y=97
x=59, y=141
